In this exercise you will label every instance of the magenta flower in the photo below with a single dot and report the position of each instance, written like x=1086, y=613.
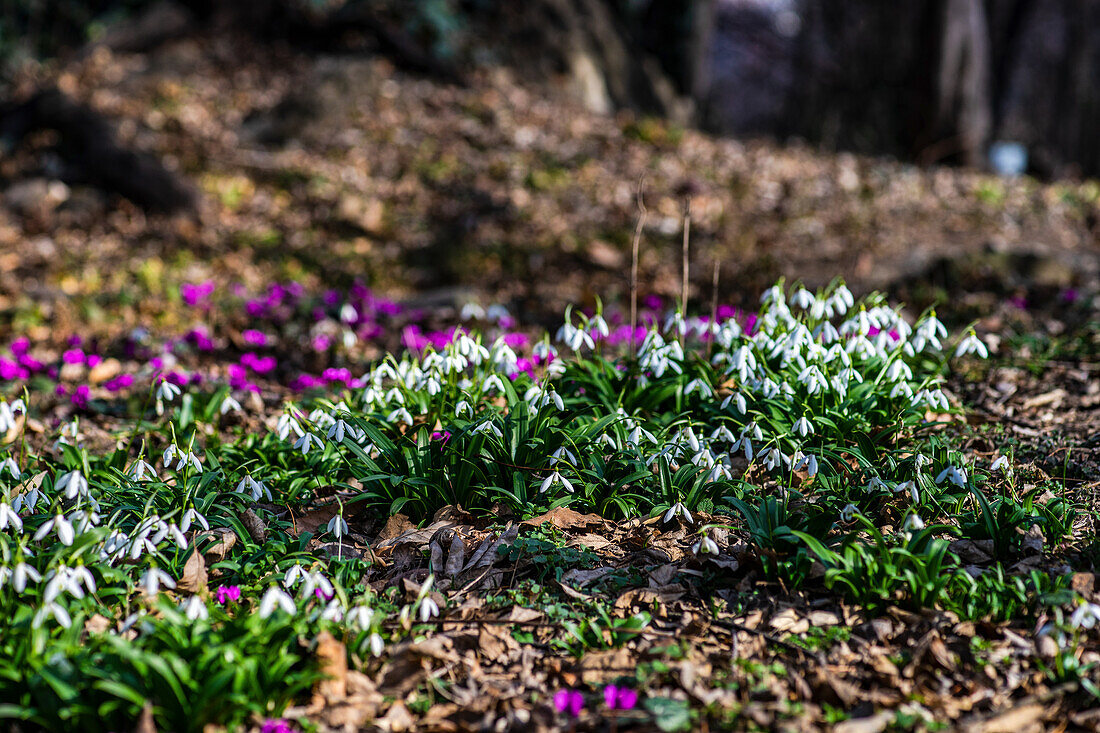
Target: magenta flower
x=80, y=396
x=620, y=698
x=322, y=596
x=653, y=302
x=119, y=383
x=276, y=726
x=195, y=294
x=516, y=340
x=20, y=346
x=226, y=593
x=73, y=356
x=1069, y=295
x=321, y=342
x=252, y=337
x=570, y=702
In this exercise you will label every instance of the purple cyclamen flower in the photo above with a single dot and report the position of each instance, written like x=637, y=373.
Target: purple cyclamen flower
x=276, y=726
x=322, y=596
x=226, y=593
x=254, y=338
x=81, y=396
x=620, y=698
x=569, y=701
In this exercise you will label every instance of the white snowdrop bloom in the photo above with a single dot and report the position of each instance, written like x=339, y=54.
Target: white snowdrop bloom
x=294, y=574
x=901, y=389
x=428, y=609
x=488, y=426
x=307, y=442
x=286, y=425
x=275, y=597
x=7, y=417
x=971, y=345
x=229, y=404
x=848, y=512
x=167, y=391
x=722, y=433
x=153, y=579
x=698, y=385
x=956, y=476
x=809, y=462
x=803, y=298
x=21, y=574
x=705, y=546
x=913, y=523
x=140, y=469
x=1001, y=463
x=743, y=362
x=492, y=384
x=827, y=333
x=841, y=300
x=348, y=314
x=400, y=415
x=803, y=427
x=333, y=612
x=336, y=431
x=337, y=527
x=910, y=486
x=1086, y=616
x=83, y=520
x=192, y=515
x=394, y=395
x=745, y=443
x=813, y=380
x=719, y=472
x=638, y=434
x=361, y=616
x=544, y=351
x=574, y=337
x=875, y=484
x=678, y=509
x=555, y=478
x=471, y=311
x=187, y=458
x=177, y=536
x=738, y=400
x=675, y=323
x=920, y=461
x=775, y=458
x=55, y=610
x=754, y=430
x=598, y=325
x=321, y=419
x=561, y=455
x=11, y=467
x=73, y=484
x=463, y=409
x=377, y=645
x=256, y=488
x=194, y=609
x=62, y=526
x=496, y=312
x=8, y=517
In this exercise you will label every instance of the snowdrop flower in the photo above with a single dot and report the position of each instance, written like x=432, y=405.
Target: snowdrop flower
x=574, y=337
x=187, y=458
x=803, y=298
x=637, y=435
x=809, y=462
x=698, y=385
x=956, y=476
x=910, y=486
x=377, y=645
x=21, y=574
x=488, y=427
x=972, y=345
x=875, y=484
x=229, y=404
x=286, y=425
x=555, y=478
x=803, y=426
x=722, y=433
x=7, y=417
x=471, y=311
x=402, y=415
x=428, y=609
x=1002, y=464
x=738, y=399
x=191, y=515
x=56, y=611
x=563, y=454
x=153, y=579
x=1085, y=616
x=64, y=529
x=294, y=574
x=705, y=546
x=11, y=467
x=913, y=523
x=678, y=509
x=303, y=443
x=361, y=616
x=194, y=609
x=73, y=484
x=167, y=391
x=139, y=469
x=774, y=458
x=274, y=598
x=257, y=488
x=337, y=527
x=8, y=516
x=336, y=431
x=848, y=512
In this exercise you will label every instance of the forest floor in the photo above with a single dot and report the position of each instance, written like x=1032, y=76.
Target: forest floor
x=334, y=173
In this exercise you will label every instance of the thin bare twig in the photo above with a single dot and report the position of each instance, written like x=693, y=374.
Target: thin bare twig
x=634, y=265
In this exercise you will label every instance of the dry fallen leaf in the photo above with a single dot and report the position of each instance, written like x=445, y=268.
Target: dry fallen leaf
x=333, y=658
x=194, y=576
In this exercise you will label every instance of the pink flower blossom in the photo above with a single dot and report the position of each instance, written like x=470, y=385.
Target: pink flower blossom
x=252, y=337
x=569, y=701
x=620, y=698
x=227, y=593
x=195, y=294
x=81, y=396
x=276, y=726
